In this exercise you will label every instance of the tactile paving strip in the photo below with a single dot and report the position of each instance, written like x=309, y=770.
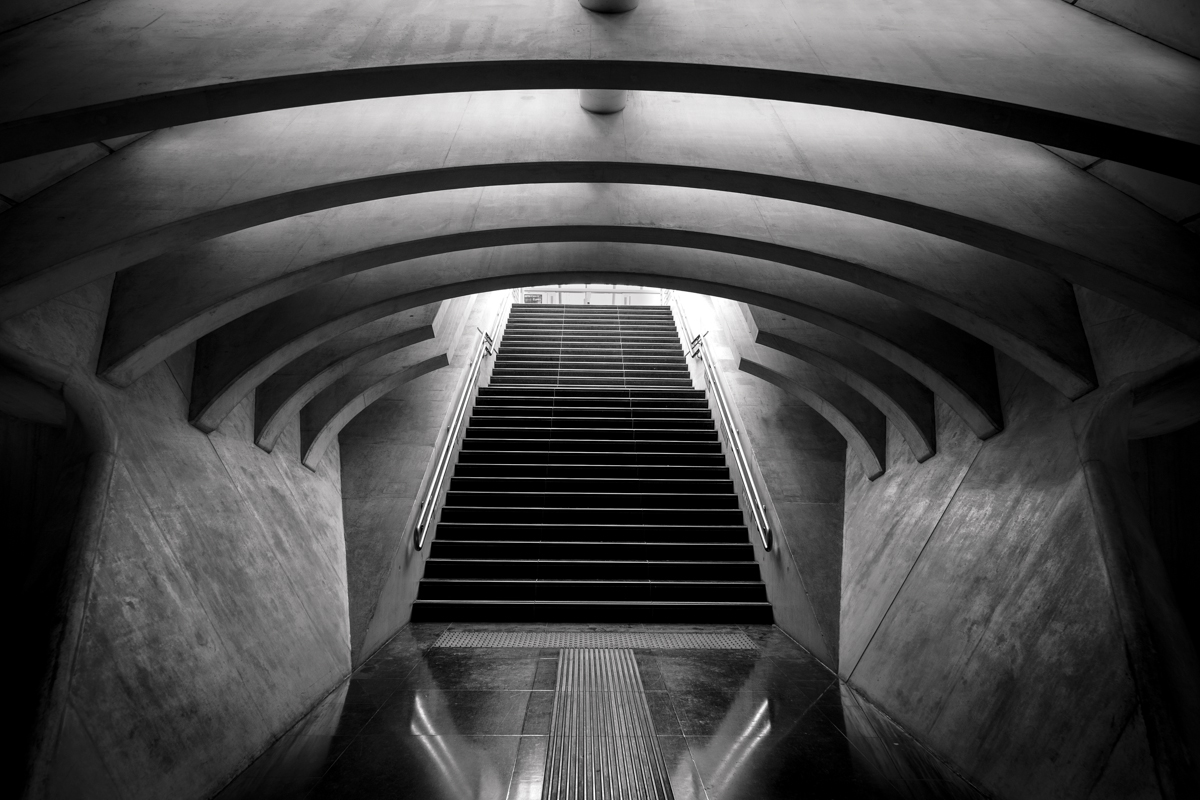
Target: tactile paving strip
x=597, y=640
x=602, y=741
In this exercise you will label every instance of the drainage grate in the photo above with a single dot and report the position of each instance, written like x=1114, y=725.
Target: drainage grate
x=605, y=640
x=602, y=743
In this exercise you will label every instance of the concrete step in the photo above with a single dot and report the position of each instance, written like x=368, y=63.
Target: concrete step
x=584, y=611
x=587, y=532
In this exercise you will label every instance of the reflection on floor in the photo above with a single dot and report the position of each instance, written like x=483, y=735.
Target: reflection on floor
x=457, y=723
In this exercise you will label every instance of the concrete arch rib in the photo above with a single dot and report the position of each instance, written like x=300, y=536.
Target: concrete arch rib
x=159, y=307
x=862, y=428
x=947, y=62
x=338, y=405
x=233, y=360
x=904, y=401
x=341, y=370
x=929, y=178
x=280, y=397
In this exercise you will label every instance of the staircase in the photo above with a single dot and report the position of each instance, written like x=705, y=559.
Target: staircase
x=591, y=484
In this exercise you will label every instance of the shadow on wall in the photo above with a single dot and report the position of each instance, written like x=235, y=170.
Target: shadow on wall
x=42, y=476
x=1166, y=473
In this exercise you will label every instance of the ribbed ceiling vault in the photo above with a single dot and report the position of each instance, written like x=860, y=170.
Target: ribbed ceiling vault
x=877, y=192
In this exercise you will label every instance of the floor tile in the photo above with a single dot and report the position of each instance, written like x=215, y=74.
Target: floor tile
x=448, y=767
x=662, y=713
x=432, y=712
x=475, y=668
x=538, y=713
x=546, y=675
x=531, y=764
x=686, y=783
x=468, y=723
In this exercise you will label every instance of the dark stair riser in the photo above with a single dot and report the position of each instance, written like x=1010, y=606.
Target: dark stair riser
x=595, y=551
x=644, y=591
x=584, y=501
x=489, y=456
x=655, y=433
x=586, y=423
x=591, y=471
x=598, y=445
x=560, y=484
x=677, y=534
x=584, y=516
x=591, y=484
x=657, y=612
x=462, y=569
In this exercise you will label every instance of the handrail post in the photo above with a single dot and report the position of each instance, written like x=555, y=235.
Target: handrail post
x=698, y=349
x=486, y=347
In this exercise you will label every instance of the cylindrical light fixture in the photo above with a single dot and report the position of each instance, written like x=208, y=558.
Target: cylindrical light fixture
x=602, y=101
x=609, y=6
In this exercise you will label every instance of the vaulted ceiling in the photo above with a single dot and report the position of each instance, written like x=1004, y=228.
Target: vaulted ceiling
x=908, y=187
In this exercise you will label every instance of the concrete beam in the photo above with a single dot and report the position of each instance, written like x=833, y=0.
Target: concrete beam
x=339, y=402
x=985, y=191
x=25, y=398
x=337, y=406
x=159, y=307
x=279, y=398
x=233, y=360
x=904, y=401
x=1167, y=403
x=856, y=420
x=105, y=70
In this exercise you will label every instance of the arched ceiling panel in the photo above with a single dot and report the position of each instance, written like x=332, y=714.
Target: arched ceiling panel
x=335, y=407
x=331, y=408
x=904, y=401
x=280, y=397
x=859, y=423
x=1022, y=311
x=1009, y=198
x=233, y=360
x=1029, y=68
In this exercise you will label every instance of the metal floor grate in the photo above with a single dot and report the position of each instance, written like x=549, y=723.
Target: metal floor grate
x=597, y=640
x=602, y=741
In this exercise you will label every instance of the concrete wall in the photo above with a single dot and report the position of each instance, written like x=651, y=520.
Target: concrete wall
x=982, y=606
x=205, y=603
x=387, y=454
x=1166, y=473
x=16, y=13
x=1172, y=22
x=800, y=460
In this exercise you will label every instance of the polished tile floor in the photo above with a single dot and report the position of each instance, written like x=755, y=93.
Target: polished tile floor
x=458, y=723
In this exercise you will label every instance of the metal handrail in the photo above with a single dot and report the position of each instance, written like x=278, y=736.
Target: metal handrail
x=698, y=348
x=429, y=504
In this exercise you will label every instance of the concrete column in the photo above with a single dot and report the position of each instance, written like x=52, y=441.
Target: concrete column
x=605, y=101
x=602, y=101
x=609, y=6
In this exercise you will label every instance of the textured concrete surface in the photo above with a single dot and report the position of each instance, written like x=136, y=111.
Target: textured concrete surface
x=212, y=609
x=859, y=422
x=977, y=598
x=239, y=356
x=921, y=191
x=278, y=399
x=387, y=452
x=216, y=58
x=1172, y=22
x=799, y=462
x=1036, y=208
x=1018, y=310
x=337, y=404
x=902, y=399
